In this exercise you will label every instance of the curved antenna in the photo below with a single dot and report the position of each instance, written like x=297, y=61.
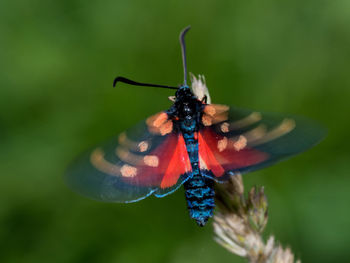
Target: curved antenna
x=183, y=49
x=134, y=83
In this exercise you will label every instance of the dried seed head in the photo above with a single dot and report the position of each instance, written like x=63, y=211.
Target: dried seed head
x=199, y=87
x=238, y=224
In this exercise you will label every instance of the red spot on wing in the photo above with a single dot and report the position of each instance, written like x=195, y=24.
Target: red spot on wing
x=207, y=156
x=178, y=165
x=227, y=159
x=173, y=162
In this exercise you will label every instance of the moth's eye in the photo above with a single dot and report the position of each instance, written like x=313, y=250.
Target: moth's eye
x=187, y=109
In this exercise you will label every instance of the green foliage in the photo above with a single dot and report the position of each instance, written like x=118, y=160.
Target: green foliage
x=57, y=63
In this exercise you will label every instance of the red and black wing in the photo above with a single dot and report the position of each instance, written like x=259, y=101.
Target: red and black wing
x=234, y=140
x=150, y=158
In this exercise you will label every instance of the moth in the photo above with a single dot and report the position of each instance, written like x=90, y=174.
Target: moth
x=194, y=144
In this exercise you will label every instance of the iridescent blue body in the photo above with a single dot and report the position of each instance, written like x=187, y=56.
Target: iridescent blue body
x=199, y=189
x=199, y=192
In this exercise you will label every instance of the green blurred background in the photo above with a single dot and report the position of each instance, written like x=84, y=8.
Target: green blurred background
x=57, y=63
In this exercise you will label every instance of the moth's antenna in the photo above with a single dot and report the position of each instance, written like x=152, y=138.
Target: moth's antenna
x=183, y=49
x=134, y=83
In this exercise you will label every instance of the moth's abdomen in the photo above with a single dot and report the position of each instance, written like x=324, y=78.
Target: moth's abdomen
x=199, y=192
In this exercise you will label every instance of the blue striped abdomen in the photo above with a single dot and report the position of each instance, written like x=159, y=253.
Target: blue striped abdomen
x=199, y=190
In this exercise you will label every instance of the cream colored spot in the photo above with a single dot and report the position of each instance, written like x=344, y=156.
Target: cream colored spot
x=143, y=146
x=225, y=127
x=155, y=121
x=241, y=143
x=122, y=153
x=256, y=133
x=286, y=126
x=206, y=120
x=166, y=127
x=98, y=161
x=252, y=118
x=127, y=157
x=126, y=143
x=210, y=110
x=128, y=171
x=160, y=119
x=220, y=108
x=222, y=144
x=220, y=117
x=151, y=160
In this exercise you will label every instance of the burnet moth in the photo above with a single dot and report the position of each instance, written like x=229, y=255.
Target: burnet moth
x=194, y=143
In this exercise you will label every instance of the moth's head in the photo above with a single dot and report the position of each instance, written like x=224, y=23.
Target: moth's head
x=183, y=92
x=185, y=102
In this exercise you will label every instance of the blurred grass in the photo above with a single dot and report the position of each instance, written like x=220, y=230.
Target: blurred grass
x=58, y=60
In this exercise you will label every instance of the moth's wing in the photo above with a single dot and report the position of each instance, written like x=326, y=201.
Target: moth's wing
x=142, y=161
x=234, y=140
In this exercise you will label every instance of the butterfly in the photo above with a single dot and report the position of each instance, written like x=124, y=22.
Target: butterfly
x=194, y=144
